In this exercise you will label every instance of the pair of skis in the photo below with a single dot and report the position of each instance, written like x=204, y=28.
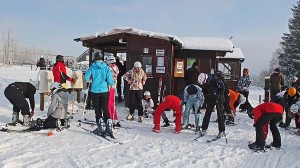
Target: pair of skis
x=209, y=140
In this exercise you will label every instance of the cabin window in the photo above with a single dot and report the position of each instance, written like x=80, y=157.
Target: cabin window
x=147, y=65
x=189, y=62
x=229, y=69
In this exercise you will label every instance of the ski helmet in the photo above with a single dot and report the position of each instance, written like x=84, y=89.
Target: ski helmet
x=242, y=99
x=147, y=93
x=292, y=91
x=137, y=64
x=111, y=59
x=59, y=58
x=294, y=108
x=55, y=86
x=202, y=78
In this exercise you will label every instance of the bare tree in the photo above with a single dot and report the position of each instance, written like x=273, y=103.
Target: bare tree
x=9, y=45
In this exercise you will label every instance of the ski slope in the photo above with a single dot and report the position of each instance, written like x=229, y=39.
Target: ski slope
x=76, y=147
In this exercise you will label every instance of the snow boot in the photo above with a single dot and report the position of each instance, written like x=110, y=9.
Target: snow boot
x=130, y=117
x=26, y=120
x=108, y=129
x=15, y=118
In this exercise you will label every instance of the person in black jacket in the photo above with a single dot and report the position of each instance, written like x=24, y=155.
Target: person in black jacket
x=214, y=96
x=41, y=63
x=17, y=93
x=191, y=75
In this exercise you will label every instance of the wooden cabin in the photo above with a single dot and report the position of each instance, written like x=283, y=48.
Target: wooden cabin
x=162, y=56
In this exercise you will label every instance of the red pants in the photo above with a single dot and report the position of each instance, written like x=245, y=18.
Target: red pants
x=111, y=105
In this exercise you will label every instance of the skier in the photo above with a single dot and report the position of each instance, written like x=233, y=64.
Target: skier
x=41, y=63
x=236, y=99
x=171, y=102
x=243, y=87
x=290, y=97
x=148, y=104
x=17, y=93
x=136, y=78
x=264, y=114
x=59, y=72
x=296, y=113
x=215, y=97
x=57, y=111
x=111, y=61
x=101, y=79
x=193, y=97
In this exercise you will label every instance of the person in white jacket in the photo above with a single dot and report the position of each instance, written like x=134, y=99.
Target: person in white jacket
x=148, y=104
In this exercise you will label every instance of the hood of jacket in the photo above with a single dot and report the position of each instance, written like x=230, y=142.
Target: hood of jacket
x=99, y=65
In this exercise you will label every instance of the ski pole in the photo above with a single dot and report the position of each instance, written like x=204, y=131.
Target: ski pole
x=83, y=112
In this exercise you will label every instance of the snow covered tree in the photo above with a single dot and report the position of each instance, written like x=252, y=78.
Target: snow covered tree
x=289, y=58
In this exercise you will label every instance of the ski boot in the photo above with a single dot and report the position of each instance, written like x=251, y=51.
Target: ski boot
x=26, y=120
x=140, y=119
x=253, y=146
x=146, y=115
x=15, y=119
x=273, y=145
x=116, y=124
x=184, y=126
x=100, y=128
x=166, y=123
x=202, y=132
x=230, y=120
x=221, y=134
x=109, y=127
x=130, y=117
x=156, y=128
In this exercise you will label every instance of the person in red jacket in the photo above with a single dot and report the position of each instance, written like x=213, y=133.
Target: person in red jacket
x=59, y=72
x=171, y=102
x=264, y=114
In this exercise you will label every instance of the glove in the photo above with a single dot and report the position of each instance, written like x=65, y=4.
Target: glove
x=72, y=80
x=129, y=82
x=31, y=114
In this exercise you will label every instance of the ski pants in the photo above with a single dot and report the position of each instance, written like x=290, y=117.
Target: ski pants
x=192, y=102
x=226, y=105
x=119, y=87
x=267, y=118
x=100, y=101
x=17, y=99
x=52, y=122
x=273, y=95
x=111, y=105
x=135, y=100
x=211, y=103
x=158, y=112
x=288, y=120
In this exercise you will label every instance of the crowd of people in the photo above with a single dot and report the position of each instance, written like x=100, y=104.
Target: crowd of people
x=203, y=90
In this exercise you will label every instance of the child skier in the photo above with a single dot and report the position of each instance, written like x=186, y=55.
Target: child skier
x=171, y=102
x=57, y=111
x=111, y=61
x=148, y=104
x=193, y=97
x=264, y=114
x=235, y=99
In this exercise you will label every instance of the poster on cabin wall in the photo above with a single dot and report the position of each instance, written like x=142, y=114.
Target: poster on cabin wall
x=179, y=67
x=160, y=70
x=160, y=61
x=148, y=69
x=160, y=52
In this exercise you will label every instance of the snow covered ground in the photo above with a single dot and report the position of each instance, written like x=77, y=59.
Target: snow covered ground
x=76, y=147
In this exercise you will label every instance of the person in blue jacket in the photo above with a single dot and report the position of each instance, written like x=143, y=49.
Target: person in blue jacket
x=101, y=81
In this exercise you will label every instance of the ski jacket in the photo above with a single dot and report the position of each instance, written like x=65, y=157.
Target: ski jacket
x=276, y=81
x=60, y=74
x=28, y=90
x=244, y=83
x=233, y=99
x=59, y=105
x=198, y=95
x=101, y=77
x=147, y=103
x=115, y=71
x=138, y=79
x=191, y=76
x=268, y=107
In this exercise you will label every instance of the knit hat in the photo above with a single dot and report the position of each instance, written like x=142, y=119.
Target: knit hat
x=277, y=70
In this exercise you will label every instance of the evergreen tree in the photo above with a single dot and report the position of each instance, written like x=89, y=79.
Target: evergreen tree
x=289, y=58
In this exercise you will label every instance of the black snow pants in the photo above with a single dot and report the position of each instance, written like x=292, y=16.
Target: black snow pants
x=17, y=99
x=135, y=100
x=100, y=101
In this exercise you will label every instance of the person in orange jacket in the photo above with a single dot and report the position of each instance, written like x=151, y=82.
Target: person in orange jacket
x=235, y=99
x=173, y=103
x=264, y=114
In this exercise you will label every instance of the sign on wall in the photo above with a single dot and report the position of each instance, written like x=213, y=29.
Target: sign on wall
x=179, y=67
x=160, y=52
x=160, y=70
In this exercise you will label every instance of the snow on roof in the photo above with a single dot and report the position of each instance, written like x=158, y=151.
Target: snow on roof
x=237, y=53
x=206, y=43
x=197, y=43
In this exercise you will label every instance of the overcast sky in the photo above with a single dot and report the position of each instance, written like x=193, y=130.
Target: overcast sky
x=256, y=26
